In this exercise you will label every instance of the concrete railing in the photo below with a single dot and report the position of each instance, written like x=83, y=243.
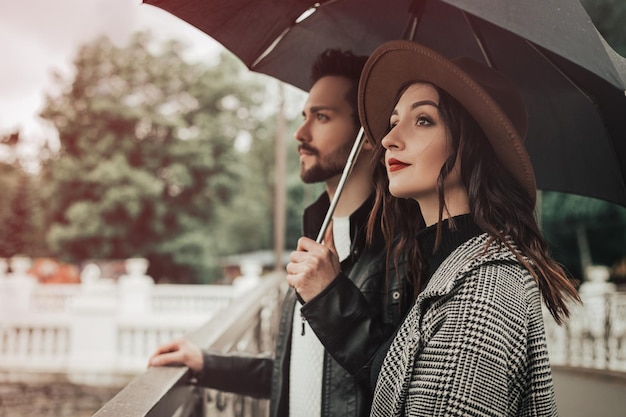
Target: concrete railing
x=595, y=335
x=591, y=339
x=53, y=299
x=135, y=292
x=248, y=325
x=100, y=331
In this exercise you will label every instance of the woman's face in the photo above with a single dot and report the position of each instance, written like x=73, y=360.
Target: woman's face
x=417, y=145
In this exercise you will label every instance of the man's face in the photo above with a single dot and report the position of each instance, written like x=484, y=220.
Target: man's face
x=328, y=132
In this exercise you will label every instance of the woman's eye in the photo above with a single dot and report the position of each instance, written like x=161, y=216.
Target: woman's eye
x=321, y=117
x=392, y=124
x=423, y=121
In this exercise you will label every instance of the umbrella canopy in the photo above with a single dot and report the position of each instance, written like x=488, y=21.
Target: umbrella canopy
x=572, y=82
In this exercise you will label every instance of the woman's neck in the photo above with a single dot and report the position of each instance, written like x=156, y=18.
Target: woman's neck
x=456, y=203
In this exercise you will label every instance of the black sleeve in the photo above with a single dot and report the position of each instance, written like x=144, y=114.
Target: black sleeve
x=350, y=326
x=240, y=374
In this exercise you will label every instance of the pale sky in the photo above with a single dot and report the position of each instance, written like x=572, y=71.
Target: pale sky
x=38, y=36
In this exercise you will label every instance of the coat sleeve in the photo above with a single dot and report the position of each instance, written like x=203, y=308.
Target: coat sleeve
x=350, y=323
x=474, y=357
x=240, y=374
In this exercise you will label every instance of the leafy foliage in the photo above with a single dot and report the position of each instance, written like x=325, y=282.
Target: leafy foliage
x=609, y=17
x=20, y=208
x=572, y=222
x=147, y=156
x=248, y=219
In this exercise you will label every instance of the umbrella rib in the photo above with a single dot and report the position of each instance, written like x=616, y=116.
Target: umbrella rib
x=417, y=11
x=271, y=46
x=409, y=32
x=308, y=12
x=477, y=37
x=564, y=75
x=481, y=45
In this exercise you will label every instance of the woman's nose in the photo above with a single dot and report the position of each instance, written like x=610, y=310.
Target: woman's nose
x=390, y=140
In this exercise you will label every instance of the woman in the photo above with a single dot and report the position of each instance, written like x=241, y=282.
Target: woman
x=450, y=135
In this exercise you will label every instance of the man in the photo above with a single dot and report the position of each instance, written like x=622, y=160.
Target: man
x=324, y=347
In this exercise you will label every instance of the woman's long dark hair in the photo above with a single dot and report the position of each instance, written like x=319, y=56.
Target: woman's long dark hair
x=498, y=203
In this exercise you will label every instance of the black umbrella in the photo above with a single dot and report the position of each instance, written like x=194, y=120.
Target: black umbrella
x=573, y=83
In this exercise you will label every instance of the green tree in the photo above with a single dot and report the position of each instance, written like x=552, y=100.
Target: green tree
x=247, y=220
x=583, y=231
x=249, y=217
x=609, y=17
x=9, y=183
x=146, y=155
x=299, y=195
x=20, y=218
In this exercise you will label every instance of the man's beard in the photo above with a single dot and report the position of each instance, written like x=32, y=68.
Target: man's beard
x=318, y=173
x=327, y=168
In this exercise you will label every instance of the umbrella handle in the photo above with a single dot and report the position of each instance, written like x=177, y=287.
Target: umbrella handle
x=356, y=148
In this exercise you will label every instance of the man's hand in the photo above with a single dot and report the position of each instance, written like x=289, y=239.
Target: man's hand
x=313, y=266
x=178, y=352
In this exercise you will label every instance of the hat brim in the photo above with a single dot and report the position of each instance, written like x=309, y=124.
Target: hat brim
x=394, y=64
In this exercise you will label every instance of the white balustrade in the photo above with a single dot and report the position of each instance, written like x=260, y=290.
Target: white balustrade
x=191, y=299
x=18, y=287
x=137, y=339
x=93, y=328
x=595, y=334
x=54, y=298
x=34, y=345
x=4, y=267
x=135, y=288
x=100, y=330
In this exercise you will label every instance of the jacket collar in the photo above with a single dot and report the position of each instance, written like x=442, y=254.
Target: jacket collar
x=470, y=255
x=314, y=217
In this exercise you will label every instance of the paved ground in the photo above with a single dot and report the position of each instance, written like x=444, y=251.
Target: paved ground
x=54, y=399
x=579, y=394
x=589, y=393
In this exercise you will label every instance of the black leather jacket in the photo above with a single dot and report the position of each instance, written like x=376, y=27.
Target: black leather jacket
x=352, y=317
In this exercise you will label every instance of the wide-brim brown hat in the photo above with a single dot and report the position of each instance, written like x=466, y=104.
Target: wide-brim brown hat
x=490, y=97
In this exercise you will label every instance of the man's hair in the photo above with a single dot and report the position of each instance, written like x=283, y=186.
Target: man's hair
x=334, y=62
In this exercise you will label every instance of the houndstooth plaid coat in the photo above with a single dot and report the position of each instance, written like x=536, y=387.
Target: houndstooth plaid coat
x=472, y=345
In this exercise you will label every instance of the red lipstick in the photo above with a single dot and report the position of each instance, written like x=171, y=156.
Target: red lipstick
x=396, y=165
